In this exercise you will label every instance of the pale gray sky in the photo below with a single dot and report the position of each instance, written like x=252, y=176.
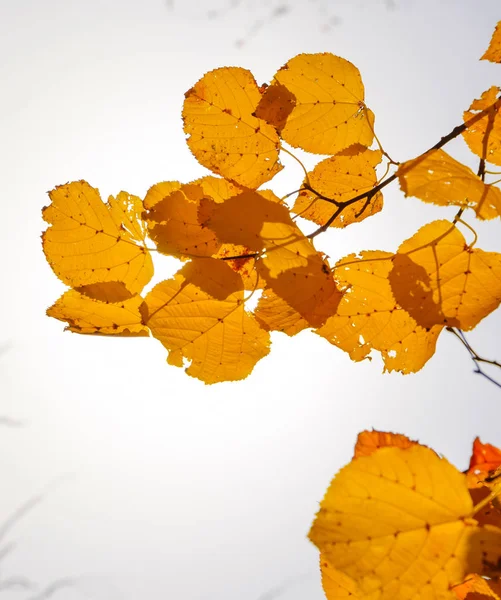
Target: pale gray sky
x=158, y=486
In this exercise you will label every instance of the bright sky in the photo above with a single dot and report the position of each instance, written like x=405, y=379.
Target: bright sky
x=158, y=486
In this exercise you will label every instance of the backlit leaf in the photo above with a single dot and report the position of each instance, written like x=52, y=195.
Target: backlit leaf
x=493, y=52
x=484, y=457
x=199, y=315
x=477, y=588
x=440, y=280
x=370, y=441
x=276, y=105
x=85, y=315
x=398, y=523
x=341, y=178
x=223, y=134
x=437, y=178
x=368, y=316
x=329, y=113
x=336, y=584
x=484, y=136
x=91, y=242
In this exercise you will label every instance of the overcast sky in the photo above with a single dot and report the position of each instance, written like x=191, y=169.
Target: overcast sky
x=158, y=486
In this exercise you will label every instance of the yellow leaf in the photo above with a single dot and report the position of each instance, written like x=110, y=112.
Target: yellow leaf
x=368, y=316
x=341, y=178
x=437, y=178
x=224, y=136
x=329, y=113
x=493, y=52
x=91, y=242
x=398, y=523
x=200, y=315
x=336, y=584
x=370, y=441
x=217, y=188
x=484, y=136
x=276, y=105
x=85, y=315
x=476, y=588
x=440, y=280
x=289, y=263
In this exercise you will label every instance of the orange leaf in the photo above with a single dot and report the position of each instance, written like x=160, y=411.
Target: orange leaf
x=341, y=178
x=440, y=280
x=276, y=105
x=370, y=441
x=398, y=524
x=368, y=317
x=85, y=315
x=91, y=242
x=437, y=178
x=484, y=136
x=329, y=113
x=493, y=52
x=476, y=588
x=199, y=315
x=224, y=136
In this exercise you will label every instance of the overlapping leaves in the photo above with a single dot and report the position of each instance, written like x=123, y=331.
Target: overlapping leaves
x=237, y=241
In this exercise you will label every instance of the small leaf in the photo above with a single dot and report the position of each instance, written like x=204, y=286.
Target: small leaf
x=493, y=52
x=484, y=136
x=370, y=441
x=478, y=588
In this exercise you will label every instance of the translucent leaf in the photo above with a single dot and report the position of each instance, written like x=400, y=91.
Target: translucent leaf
x=224, y=136
x=484, y=136
x=91, y=242
x=368, y=316
x=370, y=441
x=276, y=105
x=440, y=280
x=289, y=263
x=341, y=178
x=493, y=52
x=329, y=113
x=336, y=584
x=477, y=588
x=85, y=315
x=398, y=523
x=199, y=315
x=437, y=178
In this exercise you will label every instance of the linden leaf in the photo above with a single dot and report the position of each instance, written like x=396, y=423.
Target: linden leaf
x=289, y=263
x=493, y=52
x=368, y=317
x=370, y=441
x=341, y=178
x=217, y=188
x=173, y=220
x=276, y=105
x=391, y=522
x=477, y=588
x=85, y=315
x=336, y=584
x=484, y=136
x=437, y=178
x=440, y=280
x=91, y=242
x=199, y=315
x=224, y=136
x=329, y=113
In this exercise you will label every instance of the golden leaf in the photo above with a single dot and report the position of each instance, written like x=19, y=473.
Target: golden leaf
x=338, y=585
x=370, y=441
x=200, y=315
x=276, y=105
x=398, y=522
x=440, y=280
x=224, y=136
x=329, y=113
x=86, y=315
x=484, y=136
x=437, y=178
x=493, y=52
x=91, y=242
x=368, y=316
x=476, y=588
x=341, y=178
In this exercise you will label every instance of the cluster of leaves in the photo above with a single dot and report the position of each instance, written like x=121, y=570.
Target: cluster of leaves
x=401, y=522
x=236, y=239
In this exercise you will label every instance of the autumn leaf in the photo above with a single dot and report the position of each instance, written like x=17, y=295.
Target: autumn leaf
x=493, y=52
x=289, y=263
x=398, y=523
x=275, y=105
x=484, y=457
x=370, y=441
x=341, y=178
x=368, y=316
x=440, y=280
x=437, y=178
x=329, y=113
x=224, y=136
x=86, y=315
x=91, y=242
x=336, y=584
x=484, y=136
x=477, y=588
x=199, y=316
